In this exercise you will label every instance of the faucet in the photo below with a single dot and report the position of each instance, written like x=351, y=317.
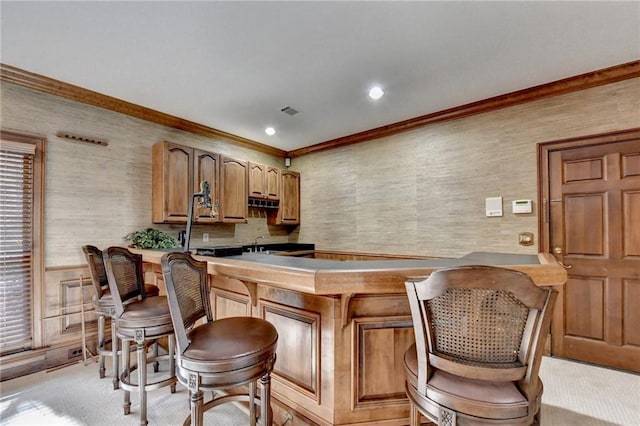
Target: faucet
x=255, y=243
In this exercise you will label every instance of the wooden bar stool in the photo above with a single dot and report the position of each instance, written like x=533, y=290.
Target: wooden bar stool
x=219, y=354
x=480, y=333
x=138, y=318
x=104, y=307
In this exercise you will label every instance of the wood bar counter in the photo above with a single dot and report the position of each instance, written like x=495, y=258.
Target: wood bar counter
x=343, y=325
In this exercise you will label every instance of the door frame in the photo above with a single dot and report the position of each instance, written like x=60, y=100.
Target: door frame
x=544, y=150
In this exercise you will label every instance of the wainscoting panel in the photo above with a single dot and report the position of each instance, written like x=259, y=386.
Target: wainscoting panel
x=298, y=354
x=378, y=374
x=62, y=321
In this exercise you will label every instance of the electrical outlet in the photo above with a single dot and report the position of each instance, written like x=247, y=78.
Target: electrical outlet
x=74, y=353
x=205, y=237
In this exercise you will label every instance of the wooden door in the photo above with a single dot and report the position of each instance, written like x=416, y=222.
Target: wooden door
x=172, y=185
x=234, y=191
x=206, y=168
x=257, y=180
x=289, y=210
x=594, y=230
x=273, y=183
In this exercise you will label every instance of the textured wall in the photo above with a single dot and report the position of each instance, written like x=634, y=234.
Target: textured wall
x=423, y=192
x=419, y=192
x=96, y=195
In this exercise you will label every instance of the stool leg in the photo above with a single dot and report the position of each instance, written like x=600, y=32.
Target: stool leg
x=414, y=415
x=265, y=400
x=101, y=344
x=125, y=375
x=196, y=399
x=156, y=364
x=142, y=381
x=172, y=360
x=114, y=356
x=252, y=403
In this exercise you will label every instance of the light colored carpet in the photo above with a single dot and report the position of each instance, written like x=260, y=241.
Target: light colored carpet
x=575, y=394
x=75, y=395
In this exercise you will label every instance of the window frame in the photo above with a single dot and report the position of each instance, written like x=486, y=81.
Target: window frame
x=37, y=265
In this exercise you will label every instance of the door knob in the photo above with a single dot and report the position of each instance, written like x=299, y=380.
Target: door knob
x=557, y=250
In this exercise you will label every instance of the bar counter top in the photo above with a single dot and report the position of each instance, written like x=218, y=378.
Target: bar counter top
x=325, y=276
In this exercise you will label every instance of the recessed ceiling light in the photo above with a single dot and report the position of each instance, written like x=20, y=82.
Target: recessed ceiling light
x=270, y=131
x=376, y=93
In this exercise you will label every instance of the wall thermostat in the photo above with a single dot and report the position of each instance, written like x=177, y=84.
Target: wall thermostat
x=522, y=206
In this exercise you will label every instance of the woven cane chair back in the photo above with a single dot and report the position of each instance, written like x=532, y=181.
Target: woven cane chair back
x=478, y=326
x=125, y=275
x=188, y=293
x=96, y=269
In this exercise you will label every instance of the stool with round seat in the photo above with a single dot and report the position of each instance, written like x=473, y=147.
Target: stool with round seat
x=224, y=353
x=103, y=305
x=140, y=319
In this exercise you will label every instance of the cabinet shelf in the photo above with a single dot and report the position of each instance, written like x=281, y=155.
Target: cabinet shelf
x=261, y=203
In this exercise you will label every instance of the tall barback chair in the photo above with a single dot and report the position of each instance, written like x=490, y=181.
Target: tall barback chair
x=480, y=334
x=138, y=318
x=104, y=307
x=212, y=355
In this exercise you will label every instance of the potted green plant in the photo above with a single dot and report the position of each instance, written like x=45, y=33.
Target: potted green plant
x=151, y=239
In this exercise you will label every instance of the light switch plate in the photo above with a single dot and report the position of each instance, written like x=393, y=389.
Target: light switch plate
x=493, y=206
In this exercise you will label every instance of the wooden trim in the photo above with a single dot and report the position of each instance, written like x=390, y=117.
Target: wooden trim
x=559, y=87
x=50, y=86
x=543, y=151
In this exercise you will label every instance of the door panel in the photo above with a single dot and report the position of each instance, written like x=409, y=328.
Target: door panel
x=580, y=292
x=631, y=319
x=630, y=165
x=594, y=229
x=584, y=211
x=631, y=235
x=206, y=168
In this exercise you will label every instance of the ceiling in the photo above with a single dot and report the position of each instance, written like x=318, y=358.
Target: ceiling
x=235, y=65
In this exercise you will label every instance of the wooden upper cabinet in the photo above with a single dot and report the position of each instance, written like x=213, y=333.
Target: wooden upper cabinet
x=172, y=183
x=234, y=191
x=288, y=212
x=178, y=172
x=206, y=168
x=264, y=181
x=273, y=183
x=257, y=180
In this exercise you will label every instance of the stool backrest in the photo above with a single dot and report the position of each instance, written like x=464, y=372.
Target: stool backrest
x=187, y=286
x=96, y=268
x=125, y=276
x=480, y=322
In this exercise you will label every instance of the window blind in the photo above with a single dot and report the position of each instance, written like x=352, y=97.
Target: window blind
x=16, y=238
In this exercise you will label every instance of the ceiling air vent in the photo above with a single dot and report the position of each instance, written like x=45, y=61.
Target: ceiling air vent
x=289, y=110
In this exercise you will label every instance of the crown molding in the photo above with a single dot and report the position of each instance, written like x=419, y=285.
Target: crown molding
x=51, y=86
x=560, y=87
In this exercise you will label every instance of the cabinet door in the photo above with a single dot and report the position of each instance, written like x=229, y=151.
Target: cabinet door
x=289, y=211
x=273, y=183
x=207, y=168
x=172, y=182
x=257, y=180
x=234, y=190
